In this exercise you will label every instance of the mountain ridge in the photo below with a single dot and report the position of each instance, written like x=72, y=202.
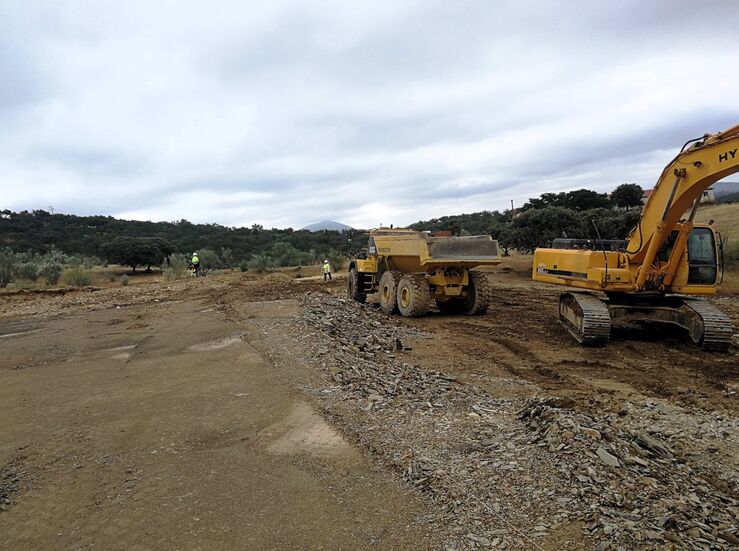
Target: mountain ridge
x=331, y=225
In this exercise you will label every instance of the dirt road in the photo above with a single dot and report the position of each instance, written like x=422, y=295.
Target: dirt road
x=158, y=426
x=235, y=412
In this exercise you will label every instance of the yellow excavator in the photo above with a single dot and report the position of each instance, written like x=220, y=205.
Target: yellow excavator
x=665, y=257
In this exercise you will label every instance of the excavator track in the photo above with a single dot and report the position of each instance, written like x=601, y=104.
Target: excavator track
x=586, y=317
x=717, y=329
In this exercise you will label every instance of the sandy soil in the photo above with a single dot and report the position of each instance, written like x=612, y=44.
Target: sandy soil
x=188, y=415
x=143, y=419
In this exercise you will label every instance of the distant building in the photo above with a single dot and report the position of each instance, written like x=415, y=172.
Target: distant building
x=708, y=197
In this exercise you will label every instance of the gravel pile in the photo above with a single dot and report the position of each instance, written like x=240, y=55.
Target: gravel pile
x=634, y=485
x=520, y=474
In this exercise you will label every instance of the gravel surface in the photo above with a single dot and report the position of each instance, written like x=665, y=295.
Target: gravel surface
x=521, y=473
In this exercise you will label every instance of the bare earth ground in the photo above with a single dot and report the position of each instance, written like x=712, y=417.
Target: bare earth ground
x=271, y=413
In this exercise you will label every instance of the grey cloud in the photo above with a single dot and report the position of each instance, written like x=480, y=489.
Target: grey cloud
x=283, y=114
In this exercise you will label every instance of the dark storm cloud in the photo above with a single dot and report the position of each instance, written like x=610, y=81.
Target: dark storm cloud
x=284, y=113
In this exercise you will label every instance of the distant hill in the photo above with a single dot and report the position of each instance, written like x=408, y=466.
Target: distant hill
x=726, y=192
x=327, y=225
x=722, y=188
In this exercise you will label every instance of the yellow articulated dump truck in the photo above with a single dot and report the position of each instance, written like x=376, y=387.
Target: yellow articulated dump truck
x=408, y=269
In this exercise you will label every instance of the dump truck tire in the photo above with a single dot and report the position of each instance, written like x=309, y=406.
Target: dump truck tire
x=479, y=295
x=413, y=296
x=388, y=291
x=450, y=306
x=354, y=287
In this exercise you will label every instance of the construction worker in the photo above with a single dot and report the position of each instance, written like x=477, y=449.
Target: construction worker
x=326, y=270
x=195, y=263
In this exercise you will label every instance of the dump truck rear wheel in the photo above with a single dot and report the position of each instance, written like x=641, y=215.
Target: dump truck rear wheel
x=354, y=287
x=388, y=291
x=413, y=296
x=479, y=294
x=450, y=306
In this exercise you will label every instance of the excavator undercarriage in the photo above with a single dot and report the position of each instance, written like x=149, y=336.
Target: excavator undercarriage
x=589, y=319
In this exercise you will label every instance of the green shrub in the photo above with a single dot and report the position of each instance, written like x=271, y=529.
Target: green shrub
x=337, y=260
x=7, y=267
x=260, y=262
x=210, y=259
x=91, y=261
x=27, y=270
x=124, y=280
x=175, y=267
x=51, y=272
x=77, y=276
x=244, y=265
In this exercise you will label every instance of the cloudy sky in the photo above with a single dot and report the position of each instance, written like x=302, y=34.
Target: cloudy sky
x=283, y=112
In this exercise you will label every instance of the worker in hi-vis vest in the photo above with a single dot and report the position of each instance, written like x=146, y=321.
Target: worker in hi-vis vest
x=195, y=263
x=326, y=270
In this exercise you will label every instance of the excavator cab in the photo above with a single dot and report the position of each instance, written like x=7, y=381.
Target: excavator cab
x=702, y=257
x=698, y=270
x=701, y=267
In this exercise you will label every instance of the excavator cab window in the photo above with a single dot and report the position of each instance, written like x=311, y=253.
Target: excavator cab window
x=702, y=269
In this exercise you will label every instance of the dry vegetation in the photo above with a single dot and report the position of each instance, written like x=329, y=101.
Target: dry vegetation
x=726, y=216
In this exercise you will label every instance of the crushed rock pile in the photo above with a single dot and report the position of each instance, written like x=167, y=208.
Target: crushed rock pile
x=512, y=473
x=635, y=484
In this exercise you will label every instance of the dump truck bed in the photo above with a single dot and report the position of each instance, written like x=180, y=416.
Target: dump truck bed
x=412, y=251
x=477, y=250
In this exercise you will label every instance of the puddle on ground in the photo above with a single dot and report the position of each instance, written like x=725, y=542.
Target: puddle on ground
x=123, y=356
x=117, y=348
x=304, y=431
x=216, y=344
x=19, y=333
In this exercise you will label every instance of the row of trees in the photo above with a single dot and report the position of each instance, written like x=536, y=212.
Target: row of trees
x=150, y=251
x=539, y=227
x=145, y=244
x=625, y=196
x=549, y=216
x=38, y=231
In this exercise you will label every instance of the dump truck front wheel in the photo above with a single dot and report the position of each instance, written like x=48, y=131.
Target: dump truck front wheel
x=479, y=295
x=388, y=291
x=413, y=295
x=354, y=286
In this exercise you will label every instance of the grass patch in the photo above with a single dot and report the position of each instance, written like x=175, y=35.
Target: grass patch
x=175, y=267
x=77, y=276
